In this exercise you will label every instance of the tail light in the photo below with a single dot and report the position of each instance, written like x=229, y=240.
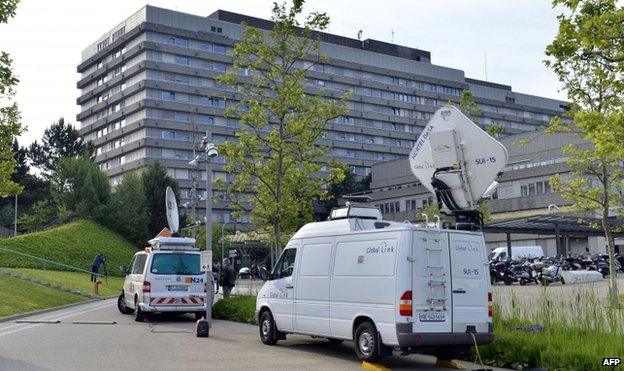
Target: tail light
x=147, y=287
x=405, y=304
x=490, y=305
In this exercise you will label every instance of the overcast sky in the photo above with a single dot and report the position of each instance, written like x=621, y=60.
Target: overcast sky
x=46, y=38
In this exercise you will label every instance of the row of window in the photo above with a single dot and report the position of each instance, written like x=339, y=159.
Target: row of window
x=194, y=44
x=536, y=188
x=335, y=70
x=528, y=165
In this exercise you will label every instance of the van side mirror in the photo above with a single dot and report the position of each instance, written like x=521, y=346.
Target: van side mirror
x=123, y=269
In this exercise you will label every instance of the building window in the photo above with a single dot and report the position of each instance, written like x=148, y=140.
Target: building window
x=319, y=67
x=219, y=49
x=168, y=134
x=181, y=60
x=182, y=116
x=206, y=120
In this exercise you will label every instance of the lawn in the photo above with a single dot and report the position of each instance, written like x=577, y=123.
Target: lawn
x=74, y=244
x=19, y=296
x=74, y=280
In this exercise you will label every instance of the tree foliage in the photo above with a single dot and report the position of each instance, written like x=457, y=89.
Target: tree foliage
x=587, y=54
x=348, y=185
x=155, y=181
x=276, y=156
x=10, y=125
x=60, y=140
x=81, y=190
x=128, y=210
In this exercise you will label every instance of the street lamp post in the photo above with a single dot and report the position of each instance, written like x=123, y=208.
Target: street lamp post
x=210, y=151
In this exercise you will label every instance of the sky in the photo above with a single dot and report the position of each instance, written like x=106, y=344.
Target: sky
x=46, y=39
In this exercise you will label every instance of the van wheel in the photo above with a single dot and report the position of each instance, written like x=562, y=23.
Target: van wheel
x=139, y=316
x=121, y=305
x=367, y=342
x=268, y=331
x=335, y=341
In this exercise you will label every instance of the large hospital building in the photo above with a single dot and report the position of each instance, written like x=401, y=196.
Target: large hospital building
x=148, y=91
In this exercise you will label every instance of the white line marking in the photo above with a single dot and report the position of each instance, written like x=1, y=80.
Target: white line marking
x=22, y=327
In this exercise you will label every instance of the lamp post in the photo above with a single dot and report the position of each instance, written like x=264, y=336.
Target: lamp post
x=15, y=218
x=210, y=151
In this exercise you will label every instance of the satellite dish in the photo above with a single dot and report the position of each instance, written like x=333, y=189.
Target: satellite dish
x=171, y=207
x=456, y=160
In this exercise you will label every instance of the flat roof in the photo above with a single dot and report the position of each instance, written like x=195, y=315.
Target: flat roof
x=553, y=224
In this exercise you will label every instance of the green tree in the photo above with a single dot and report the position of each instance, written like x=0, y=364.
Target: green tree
x=587, y=55
x=348, y=185
x=468, y=105
x=60, y=140
x=155, y=182
x=432, y=210
x=80, y=190
x=10, y=125
x=34, y=189
x=276, y=155
x=128, y=210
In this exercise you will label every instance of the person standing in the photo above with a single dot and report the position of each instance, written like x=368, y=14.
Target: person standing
x=228, y=278
x=95, y=266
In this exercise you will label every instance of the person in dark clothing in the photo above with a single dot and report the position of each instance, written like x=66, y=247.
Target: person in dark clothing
x=228, y=278
x=95, y=266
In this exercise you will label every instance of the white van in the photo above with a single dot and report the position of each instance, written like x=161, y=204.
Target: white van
x=167, y=277
x=500, y=253
x=382, y=284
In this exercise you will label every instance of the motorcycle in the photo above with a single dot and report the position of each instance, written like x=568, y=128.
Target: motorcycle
x=548, y=272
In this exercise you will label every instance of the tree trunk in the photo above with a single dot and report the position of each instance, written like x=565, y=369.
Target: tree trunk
x=613, y=290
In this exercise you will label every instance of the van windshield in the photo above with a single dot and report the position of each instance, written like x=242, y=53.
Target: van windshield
x=178, y=263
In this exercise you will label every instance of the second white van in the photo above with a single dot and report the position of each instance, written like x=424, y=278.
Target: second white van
x=385, y=285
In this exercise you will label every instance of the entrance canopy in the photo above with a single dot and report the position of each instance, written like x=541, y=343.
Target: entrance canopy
x=556, y=225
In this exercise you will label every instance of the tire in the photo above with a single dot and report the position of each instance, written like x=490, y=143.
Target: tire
x=366, y=342
x=335, y=341
x=523, y=281
x=121, y=305
x=139, y=316
x=267, y=328
x=508, y=281
x=562, y=281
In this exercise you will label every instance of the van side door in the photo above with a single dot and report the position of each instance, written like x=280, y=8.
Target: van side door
x=312, y=287
x=282, y=292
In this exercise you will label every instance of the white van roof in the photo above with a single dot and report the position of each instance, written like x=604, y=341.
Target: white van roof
x=342, y=226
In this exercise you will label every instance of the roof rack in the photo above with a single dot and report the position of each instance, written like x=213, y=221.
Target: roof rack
x=173, y=244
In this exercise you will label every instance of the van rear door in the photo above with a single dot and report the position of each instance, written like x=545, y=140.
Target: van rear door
x=470, y=283
x=431, y=290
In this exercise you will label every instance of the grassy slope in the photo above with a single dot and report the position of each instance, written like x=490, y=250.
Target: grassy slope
x=19, y=296
x=74, y=244
x=75, y=281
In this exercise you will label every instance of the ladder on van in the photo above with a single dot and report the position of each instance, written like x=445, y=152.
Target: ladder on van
x=436, y=272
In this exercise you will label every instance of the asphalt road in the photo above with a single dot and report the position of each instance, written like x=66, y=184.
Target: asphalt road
x=167, y=344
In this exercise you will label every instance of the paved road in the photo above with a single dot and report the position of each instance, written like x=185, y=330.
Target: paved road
x=166, y=345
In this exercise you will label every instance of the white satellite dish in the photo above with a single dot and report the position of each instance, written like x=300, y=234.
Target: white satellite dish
x=171, y=207
x=456, y=160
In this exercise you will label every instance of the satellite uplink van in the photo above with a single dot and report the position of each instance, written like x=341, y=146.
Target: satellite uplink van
x=396, y=286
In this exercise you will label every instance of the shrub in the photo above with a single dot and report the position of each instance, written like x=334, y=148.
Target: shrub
x=236, y=308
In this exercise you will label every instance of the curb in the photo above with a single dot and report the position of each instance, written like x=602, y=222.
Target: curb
x=52, y=309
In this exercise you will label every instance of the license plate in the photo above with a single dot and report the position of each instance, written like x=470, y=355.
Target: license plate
x=177, y=288
x=432, y=317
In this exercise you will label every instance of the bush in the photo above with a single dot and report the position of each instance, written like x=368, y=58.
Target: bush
x=236, y=308
x=74, y=244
